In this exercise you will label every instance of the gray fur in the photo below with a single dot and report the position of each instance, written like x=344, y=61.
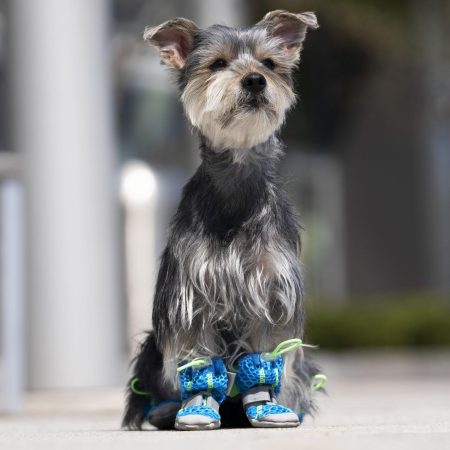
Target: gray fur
x=230, y=280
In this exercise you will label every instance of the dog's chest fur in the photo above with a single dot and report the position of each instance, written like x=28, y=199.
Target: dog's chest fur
x=236, y=240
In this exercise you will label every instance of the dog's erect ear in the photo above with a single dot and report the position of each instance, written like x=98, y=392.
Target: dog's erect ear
x=290, y=28
x=173, y=39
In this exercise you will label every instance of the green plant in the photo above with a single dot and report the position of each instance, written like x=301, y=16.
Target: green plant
x=406, y=321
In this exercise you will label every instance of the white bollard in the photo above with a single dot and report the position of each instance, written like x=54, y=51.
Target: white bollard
x=12, y=296
x=139, y=192
x=60, y=64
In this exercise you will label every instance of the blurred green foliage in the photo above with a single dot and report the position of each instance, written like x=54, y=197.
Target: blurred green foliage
x=408, y=321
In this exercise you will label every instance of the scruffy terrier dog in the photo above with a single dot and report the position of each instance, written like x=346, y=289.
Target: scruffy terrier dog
x=230, y=286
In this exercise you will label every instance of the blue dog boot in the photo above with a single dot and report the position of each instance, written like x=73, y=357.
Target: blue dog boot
x=259, y=382
x=203, y=388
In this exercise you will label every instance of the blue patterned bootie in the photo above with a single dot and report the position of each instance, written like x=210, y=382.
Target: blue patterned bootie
x=203, y=385
x=258, y=380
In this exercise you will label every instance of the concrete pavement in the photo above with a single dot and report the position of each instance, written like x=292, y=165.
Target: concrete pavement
x=382, y=401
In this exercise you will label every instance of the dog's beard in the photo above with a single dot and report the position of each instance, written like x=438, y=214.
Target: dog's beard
x=247, y=110
x=242, y=126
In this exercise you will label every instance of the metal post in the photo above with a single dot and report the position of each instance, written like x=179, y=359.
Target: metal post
x=63, y=127
x=12, y=293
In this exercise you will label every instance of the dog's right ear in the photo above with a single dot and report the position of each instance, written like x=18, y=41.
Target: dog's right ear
x=173, y=39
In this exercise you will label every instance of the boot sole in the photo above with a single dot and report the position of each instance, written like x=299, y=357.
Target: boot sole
x=262, y=424
x=193, y=427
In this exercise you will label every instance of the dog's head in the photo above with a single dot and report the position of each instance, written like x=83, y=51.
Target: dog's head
x=235, y=84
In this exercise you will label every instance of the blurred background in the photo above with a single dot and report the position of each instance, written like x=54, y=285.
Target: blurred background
x=95, y=149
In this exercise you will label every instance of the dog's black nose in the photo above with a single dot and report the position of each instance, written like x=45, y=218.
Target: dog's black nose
x=254, y=82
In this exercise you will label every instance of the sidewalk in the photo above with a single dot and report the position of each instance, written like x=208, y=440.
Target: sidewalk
x=380, y=401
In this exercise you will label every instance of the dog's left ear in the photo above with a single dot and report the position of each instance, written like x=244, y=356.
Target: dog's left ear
x=290, y=28
x=173, y=39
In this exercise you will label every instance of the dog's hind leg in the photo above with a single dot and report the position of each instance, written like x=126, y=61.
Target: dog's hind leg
x=146, y=390
x=296, y=391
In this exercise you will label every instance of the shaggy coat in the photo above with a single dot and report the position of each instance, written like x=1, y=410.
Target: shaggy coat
x=230, y=279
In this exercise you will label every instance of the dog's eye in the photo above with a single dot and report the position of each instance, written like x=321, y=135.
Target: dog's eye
x=218, y=64
x=268, y=63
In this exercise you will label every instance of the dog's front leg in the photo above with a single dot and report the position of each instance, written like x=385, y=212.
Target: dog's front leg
x=180, y=316
x=189, y=346
x=275, y=386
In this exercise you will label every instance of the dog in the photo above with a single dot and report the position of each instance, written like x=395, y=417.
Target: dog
x=230, y=281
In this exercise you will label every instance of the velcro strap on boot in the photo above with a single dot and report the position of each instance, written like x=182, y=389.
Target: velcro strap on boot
x=232, y=390
x=201, y=399
x=257, y=394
